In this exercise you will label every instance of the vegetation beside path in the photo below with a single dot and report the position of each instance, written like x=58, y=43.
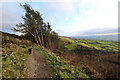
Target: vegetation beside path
x=61, y=67
x=14, y=55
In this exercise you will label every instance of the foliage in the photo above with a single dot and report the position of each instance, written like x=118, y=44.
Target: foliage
x=61, y=67
x=98, y=56
x=35, y=29
x=15, y=52
x=13, y=64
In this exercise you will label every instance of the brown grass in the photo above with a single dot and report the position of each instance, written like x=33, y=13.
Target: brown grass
x=101, y=66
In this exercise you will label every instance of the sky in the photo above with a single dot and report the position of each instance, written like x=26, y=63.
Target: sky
x=67, y=18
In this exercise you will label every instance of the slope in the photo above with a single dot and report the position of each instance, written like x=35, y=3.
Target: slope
x=14, y=55
x=97, y=56
x=37, y=67
x=61, y=67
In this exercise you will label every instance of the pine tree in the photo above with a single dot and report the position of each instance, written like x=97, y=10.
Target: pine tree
x=34, y=27
x=30, y=25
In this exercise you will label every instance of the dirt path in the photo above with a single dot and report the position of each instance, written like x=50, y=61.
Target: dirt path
x=37, y=66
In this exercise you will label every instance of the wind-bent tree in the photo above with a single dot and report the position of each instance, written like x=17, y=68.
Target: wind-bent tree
x=49, y=36
x=32, y=23
x=46, y=36
x=35, y=28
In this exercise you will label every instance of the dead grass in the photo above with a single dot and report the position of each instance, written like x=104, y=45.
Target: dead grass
x=100, y=65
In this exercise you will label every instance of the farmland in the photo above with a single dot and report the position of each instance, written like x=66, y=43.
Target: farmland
x=75, y=58
x=97, y=44
x=100, y=57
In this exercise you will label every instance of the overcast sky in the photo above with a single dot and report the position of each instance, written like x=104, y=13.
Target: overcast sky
x=71, y=18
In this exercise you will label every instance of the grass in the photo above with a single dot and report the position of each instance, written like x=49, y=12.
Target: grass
x=14, y=55
x=13, y=64
x=101, y=45
x=71, y=46
x=67, y=39
x=83, y=44
x=98, y=56
x=61, y=67
x=97, y=44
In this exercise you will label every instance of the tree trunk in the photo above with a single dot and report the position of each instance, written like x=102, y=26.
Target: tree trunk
x=34, y=35
x=36, y=39
x=49, y=41
x=46, y=37
x=42, y=36
x=39, y=38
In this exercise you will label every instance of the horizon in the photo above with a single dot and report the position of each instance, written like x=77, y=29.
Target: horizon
x=68, y=18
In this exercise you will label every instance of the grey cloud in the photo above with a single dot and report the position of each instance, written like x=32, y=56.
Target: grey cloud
x=93, y=32
x=60, y=32
x=9, y=21
x=9, y=18
x=101, y=31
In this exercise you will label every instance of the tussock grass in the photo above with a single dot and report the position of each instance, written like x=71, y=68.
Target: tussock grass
x=61, y=67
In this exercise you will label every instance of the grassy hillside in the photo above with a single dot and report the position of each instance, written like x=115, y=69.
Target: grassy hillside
x=61, y=67
x=97, y=44
x=98, y=56
x=73, y=59
x=14, y=55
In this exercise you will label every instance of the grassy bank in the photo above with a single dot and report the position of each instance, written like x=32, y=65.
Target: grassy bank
x=14, y=55
x=61, y=67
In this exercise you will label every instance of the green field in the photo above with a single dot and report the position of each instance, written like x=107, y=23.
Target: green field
x=97, y=44
x=98, y=56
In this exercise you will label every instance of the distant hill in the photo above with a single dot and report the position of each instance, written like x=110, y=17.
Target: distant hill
x=105, y=37
x=9, y=34
x=91, y=34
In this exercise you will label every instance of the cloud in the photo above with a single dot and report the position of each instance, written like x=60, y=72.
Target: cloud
x=63, y=7
x=50, y=19
x=9, y=20
x=80, y=15
x=59, y=31
x=94, y=14
x=9, y=17
x=106, y=34
x=66, y=18
x=97, y=32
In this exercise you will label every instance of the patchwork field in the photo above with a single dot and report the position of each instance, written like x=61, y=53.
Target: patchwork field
x=100, y=57
x=97, y=44
x=75, y=58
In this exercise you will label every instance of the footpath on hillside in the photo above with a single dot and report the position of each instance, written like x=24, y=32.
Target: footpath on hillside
x=37, y=66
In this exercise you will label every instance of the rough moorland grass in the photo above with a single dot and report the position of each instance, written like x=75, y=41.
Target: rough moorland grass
x=61, y=67
x=15, y=53
x=13, y=64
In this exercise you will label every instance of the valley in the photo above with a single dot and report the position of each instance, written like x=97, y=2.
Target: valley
x=75, y=58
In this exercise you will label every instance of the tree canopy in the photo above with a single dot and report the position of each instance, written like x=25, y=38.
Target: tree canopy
x=35, y=29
